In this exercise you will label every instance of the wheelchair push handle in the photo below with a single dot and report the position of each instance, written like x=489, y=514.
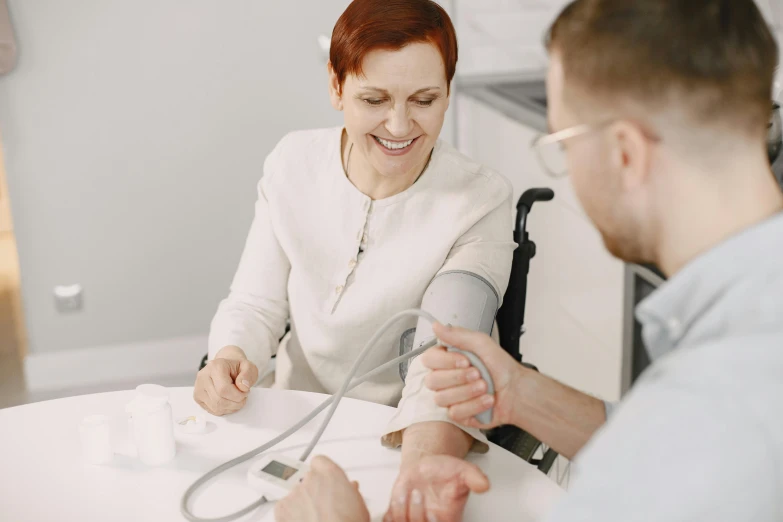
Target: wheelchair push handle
x=535, y=194
x=524, y=206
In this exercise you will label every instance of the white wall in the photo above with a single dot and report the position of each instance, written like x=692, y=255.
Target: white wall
x=135, y=134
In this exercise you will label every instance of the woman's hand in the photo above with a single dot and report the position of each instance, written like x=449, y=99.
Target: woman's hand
x=460, y=388
x=325, y=495
x=223, y=385
x=434, y=489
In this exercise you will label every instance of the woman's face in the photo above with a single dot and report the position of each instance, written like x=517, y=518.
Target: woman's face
x=395, y=110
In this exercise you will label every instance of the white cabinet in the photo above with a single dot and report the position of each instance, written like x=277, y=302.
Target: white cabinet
x=575, y=289
x=503, y=35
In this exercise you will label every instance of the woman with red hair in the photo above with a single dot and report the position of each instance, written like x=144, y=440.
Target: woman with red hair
x=352, y=224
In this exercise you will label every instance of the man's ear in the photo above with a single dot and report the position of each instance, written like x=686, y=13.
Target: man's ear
x=335, y=90
x=629, y=153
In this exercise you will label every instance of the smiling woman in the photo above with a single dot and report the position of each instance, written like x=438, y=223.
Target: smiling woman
x=353, y=224
x=394, y=113
x=394, y=102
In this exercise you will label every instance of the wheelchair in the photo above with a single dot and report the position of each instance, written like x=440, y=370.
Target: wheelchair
x=511, y=326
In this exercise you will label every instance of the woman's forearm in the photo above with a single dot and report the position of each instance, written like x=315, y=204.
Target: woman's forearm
x=434, y=438
x=559, y=416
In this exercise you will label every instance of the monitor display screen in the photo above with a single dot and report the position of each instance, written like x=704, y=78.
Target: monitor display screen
x=279, y=470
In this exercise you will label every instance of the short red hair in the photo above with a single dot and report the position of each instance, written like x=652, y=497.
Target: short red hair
x=369, y=25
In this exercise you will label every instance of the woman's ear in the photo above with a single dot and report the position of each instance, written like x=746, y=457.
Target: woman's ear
x=335, y=90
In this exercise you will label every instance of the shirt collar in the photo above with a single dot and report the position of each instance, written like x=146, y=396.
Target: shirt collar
x=672, y=310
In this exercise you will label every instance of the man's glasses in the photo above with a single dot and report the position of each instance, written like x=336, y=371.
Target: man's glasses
x=551, y=153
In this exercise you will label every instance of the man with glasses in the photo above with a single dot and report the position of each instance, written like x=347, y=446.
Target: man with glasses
x=659, y=112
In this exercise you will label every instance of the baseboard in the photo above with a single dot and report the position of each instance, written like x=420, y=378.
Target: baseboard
x=116, y=363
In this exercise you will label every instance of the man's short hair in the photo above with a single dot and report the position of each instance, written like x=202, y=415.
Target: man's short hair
x=715, y=59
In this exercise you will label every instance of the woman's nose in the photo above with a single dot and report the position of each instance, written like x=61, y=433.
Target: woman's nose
x=399, y=123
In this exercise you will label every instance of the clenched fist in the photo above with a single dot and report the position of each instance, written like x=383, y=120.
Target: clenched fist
x=223, y=385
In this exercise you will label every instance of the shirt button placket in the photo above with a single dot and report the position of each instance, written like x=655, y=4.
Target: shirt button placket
x=361, y=237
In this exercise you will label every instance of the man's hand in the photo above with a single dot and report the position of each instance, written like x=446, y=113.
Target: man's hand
x=434, y=489
x=325, y=495
x=460, y=388
x=223, y=385
x=559, y=416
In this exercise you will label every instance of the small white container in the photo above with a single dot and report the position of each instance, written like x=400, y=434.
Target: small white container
x=96, y=439
x=152, y=425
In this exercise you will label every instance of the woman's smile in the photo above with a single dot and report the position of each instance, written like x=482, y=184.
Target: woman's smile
x=395, y=147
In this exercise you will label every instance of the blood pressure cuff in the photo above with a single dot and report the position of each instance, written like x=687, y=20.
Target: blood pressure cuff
x=457, y=298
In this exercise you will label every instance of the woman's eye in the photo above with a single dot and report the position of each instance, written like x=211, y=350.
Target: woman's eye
x=424, y=103
x=373, y=101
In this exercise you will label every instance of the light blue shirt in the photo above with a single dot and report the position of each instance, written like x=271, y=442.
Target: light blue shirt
x=700, y=435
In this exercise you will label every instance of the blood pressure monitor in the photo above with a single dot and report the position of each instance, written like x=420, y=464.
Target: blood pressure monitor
x=275, y=475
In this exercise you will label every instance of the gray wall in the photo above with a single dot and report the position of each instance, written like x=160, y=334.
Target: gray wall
x=134, y=134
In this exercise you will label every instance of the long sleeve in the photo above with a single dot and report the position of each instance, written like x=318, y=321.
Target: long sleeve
x=679, y=451
x=486, y=250
x=254, y=314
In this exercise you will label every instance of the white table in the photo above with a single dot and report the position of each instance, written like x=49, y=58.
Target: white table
x=43, y=476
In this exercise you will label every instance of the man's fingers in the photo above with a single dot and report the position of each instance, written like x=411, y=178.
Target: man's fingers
x=437, y=358
x=476, y=342
x=460, y=394
x=326, y=466
x=248, y=375
x=471, y=408
x=322, y=464
x=444, y=379
x=470, y=422
x=283, y=512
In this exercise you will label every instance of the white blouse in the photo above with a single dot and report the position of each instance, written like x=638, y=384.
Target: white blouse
x=338, y=265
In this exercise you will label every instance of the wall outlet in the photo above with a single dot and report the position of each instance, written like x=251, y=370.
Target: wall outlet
x=68, y=298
